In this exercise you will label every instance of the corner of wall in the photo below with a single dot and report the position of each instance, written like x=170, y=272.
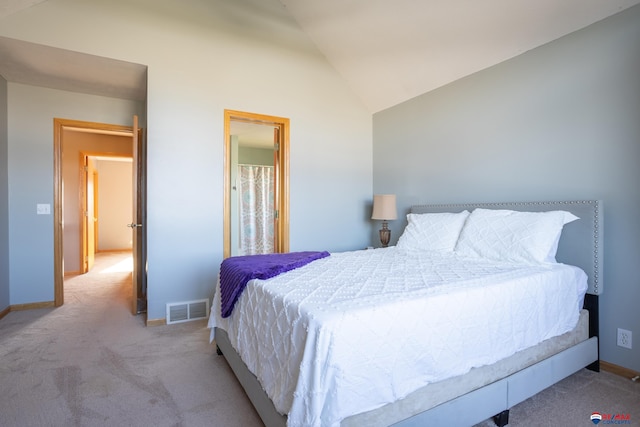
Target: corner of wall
x=4, y=197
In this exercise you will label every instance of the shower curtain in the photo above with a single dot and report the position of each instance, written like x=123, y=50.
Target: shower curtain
x=256, y=209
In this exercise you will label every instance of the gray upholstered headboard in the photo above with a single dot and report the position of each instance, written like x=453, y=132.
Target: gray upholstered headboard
x=580, y=243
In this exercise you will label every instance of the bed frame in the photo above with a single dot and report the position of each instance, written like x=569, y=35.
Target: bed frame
x=580, y=245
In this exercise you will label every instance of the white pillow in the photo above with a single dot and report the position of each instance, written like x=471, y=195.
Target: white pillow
x=432, y=231
x=506, y=235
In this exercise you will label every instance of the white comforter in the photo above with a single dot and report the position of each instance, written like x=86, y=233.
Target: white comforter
x=354, y=331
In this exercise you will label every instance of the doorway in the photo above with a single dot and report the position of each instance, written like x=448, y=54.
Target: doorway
x=68, y=135
x=264, y=139
x=105, y=204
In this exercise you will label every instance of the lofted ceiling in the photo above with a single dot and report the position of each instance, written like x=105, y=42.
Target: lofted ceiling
x=392, y=51
x=8, y=7
x=387, y=51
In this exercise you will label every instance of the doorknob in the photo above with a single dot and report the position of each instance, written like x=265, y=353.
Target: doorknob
x=134, y=225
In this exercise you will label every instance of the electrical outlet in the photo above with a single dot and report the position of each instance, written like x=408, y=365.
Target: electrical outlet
x=624, y=338
x=43, y=209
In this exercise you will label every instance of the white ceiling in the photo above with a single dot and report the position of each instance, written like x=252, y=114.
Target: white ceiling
x=392, y=51
x=8, y=7
x=388, y=51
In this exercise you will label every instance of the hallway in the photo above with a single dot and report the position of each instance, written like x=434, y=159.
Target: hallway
x=108, y=280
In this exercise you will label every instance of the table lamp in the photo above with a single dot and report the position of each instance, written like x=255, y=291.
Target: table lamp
x=384, y=208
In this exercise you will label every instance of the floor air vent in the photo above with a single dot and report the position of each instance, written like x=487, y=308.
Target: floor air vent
x=185, y=311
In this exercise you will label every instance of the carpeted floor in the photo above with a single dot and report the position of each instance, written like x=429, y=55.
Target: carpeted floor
x=572, y=401
x=91, y=363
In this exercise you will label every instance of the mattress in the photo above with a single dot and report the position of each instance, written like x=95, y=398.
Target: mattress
x=316, y=337
x=443, y=391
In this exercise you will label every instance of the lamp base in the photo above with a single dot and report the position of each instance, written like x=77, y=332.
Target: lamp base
x=385, y=234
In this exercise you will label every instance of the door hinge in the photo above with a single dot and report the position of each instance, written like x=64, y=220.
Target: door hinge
x=276, y=146
x=86, y=168
x=275, y=215
x=86, y=213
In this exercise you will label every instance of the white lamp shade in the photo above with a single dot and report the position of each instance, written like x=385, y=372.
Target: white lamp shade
x=384, y=207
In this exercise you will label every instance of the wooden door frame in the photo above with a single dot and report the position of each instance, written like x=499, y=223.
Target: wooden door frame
x=59, y=125
x=282, y=190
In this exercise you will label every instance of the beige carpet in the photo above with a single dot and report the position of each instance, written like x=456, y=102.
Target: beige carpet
x=91, y=363
x=572, y=401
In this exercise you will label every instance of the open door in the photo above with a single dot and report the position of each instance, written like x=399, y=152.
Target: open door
x=89, y=214
x=62, y=127
x=138, y=234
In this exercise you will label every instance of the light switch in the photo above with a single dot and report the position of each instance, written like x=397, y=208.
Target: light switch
x=43, y=209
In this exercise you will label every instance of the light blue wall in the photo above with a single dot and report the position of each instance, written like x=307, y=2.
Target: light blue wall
x=203, y=58
x=558, y=122
x=4, y=200
x=31, y=113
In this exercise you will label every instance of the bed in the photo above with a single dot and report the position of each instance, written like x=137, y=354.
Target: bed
x=293, y=354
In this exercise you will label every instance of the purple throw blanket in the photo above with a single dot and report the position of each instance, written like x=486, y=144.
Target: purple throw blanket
x=235, y=272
